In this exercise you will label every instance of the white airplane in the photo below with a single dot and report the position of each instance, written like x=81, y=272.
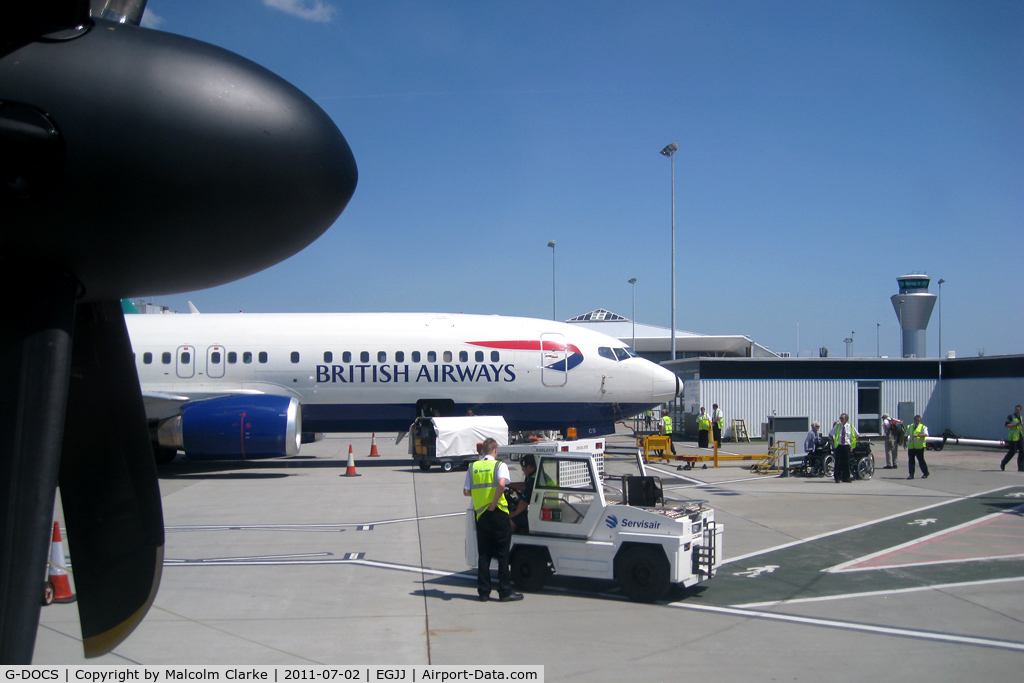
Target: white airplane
x=223, y=386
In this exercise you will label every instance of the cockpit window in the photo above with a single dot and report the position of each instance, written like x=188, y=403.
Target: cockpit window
x=621, y=353
x=632, y=353
x=605, y=352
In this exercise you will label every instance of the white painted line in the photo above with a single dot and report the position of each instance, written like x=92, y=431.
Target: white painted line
x=862, y=525
x=302, y=527
x=851, y=626
x=869, y=594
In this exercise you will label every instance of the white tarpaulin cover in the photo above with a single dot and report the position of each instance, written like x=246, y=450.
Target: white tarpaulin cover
x=460, y=435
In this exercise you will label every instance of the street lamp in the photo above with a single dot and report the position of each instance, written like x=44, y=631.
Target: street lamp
x=940, y=316
x=632, y=281
x=878, y=345
x=554, y=310
x=670, y=151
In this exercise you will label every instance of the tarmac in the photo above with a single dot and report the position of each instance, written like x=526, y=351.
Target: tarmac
x=288, y=562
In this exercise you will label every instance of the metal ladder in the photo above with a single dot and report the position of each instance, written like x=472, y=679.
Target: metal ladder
x=704, y=555
x=739, y=431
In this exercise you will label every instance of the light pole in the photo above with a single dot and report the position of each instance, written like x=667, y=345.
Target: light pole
x=670, y=151
x=554, y=310
x=632, y=281
x=878, y=344
x=902, y=354
x=940, y=317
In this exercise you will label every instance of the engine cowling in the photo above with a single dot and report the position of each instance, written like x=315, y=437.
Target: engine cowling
x=235, y=428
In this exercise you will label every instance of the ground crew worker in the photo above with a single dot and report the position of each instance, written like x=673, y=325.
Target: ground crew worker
x=916, y=436
x=844, y=438
x=1015, y=439
x=485, y=483
x=717, y=422
x=666, y=429
x=703, y=427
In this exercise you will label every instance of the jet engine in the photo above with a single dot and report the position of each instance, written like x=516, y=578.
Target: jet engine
x=235, y=428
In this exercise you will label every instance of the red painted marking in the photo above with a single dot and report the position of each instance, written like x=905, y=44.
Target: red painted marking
x=986, y=539
x=526, y=345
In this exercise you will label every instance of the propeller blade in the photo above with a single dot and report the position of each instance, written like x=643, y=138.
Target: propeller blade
x=108, y=482
x=35, y=353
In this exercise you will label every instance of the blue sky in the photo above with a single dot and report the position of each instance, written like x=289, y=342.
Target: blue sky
x=824, y=150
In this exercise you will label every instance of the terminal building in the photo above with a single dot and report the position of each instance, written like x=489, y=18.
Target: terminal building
x=969, y=396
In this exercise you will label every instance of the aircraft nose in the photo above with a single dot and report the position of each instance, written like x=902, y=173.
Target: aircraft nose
x=665, y=384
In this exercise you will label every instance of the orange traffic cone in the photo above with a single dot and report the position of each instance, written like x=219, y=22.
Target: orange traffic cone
x=350, y=471
x=373, y=446
x=58, y=570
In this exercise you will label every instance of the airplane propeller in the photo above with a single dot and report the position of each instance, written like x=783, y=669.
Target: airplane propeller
x=132, y=162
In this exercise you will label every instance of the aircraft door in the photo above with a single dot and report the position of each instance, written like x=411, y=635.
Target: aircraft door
x=553, y=356
x=215, y=361
x=186, y=361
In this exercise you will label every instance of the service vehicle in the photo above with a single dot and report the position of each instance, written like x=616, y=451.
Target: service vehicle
x=631, y=535
x=451, y=441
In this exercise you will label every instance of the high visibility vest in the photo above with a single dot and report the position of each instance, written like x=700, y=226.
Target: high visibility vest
x=1015, y=430
x=718, y=419
x=836, y=434
x=916, y=436
x=666, y=421
x=484, y=484
x=703, y=422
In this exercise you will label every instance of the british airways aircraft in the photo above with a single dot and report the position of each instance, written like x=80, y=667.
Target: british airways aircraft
x=226, y=386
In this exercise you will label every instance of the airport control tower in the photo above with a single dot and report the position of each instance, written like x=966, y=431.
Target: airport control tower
x=913, y=308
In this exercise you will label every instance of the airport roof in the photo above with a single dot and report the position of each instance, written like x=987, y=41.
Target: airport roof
x=652, y=341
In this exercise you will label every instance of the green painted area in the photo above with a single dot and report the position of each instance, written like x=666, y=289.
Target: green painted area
x=799, y=569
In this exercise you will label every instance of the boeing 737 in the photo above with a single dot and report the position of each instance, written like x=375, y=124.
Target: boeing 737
x=224, y=386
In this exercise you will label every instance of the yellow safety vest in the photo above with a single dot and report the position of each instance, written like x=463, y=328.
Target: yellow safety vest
x=916, y=437
x=485, y=482
x=667, y=422
x=703, y=422
x=853, y=435
x=718, y=419
x=1015, y=430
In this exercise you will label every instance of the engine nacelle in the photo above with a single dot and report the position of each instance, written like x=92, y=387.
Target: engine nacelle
x=235, y=428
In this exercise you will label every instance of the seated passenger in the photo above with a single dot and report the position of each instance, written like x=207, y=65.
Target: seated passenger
x=518, y=518
x=813, y=441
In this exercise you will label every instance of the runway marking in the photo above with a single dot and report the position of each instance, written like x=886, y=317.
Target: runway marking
x=876, y=560
x=862, y=525
x=341, y=526
x=854, y=626
x=867, y=594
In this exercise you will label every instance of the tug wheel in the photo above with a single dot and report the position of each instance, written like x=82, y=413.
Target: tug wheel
x=529, y=568
x=643, y=574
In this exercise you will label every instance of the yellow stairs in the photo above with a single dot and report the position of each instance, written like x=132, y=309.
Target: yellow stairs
x=739, y=431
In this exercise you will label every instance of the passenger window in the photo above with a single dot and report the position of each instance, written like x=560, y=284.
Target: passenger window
x=621, y=354
x=605, y=352
x=147, y=358
x=186, y=357
x=415, y=356
x=295, y=356
x=215, y=357
x=382, y=357
x=431, y=357
x=495, y=356
x=328, y=357
x=479, y=356
x=165, y=358
x=346, y=357
x=232, y=357
x=399, y=356
x=364, y=356
x=263, y=356
x=447, y=356
x=463, y=357
x=247, y=357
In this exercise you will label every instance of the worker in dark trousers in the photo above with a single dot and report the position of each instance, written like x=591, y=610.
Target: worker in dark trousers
x=1015, y=440
x=844, y=438
x=703, y=427
x=717, y=423
x=916, y=439
x=485, y=483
